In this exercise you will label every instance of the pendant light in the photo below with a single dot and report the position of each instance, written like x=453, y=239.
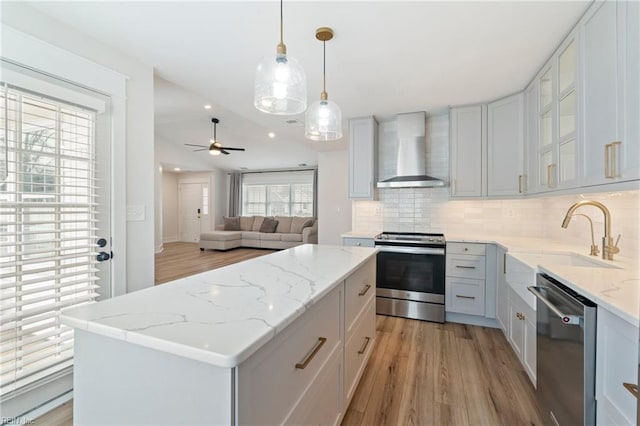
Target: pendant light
x=323, y=119
x=281, y=84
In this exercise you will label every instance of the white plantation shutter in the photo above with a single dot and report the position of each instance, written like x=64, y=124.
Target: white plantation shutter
x=48, y=211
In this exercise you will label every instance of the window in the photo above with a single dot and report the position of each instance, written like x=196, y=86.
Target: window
x=48, y=216
x=205, y=200
x=278, y=193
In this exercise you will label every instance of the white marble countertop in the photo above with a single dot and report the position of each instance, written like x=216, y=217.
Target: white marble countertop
x=615, y=286
x=223, y=316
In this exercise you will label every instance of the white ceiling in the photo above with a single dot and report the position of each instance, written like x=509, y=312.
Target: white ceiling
x=386, y=57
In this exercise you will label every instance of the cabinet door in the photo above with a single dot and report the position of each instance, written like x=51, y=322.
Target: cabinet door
x=502, y=295
x=531, y=181
x=600, y=95
x=616, y=363
x=466, y=152
x=516, y=325
x=529, y=352
x=362, y=157
x=629, y=155
x=505, y=142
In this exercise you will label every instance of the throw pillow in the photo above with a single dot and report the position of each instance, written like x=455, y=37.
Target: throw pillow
x=246, y=223
x=257, y=223
x=268, y=225
x=299, y=223
x=284, y=227
x=231, y=223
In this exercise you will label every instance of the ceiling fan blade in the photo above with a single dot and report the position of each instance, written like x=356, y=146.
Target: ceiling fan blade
x=190, y=144
x=224, y=152
x=203, y=149
x=231, y=149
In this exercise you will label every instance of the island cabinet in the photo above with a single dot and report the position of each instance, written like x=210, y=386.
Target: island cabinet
x=199, y=352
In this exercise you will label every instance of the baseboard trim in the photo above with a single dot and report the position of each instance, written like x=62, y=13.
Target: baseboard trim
x=159, y=249
x=170, y=240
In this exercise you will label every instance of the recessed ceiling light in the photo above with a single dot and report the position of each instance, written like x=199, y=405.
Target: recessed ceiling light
x=177, y=169
x=207, y=106
x=271, y=135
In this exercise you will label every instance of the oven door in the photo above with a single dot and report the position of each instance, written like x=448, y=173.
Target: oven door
x=412, y=273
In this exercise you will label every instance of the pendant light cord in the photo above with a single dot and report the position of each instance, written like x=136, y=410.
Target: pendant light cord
x=281, y=24
x=324, y=66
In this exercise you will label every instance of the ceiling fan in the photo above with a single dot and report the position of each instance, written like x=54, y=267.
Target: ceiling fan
x=215, y=147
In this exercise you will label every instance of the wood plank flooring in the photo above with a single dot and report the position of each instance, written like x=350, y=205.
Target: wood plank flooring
x=423, y=373
x=179, y=260
x=419, y=373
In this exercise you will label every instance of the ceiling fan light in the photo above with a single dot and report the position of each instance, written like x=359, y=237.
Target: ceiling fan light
x=323, y=121
x=214, y=151
x=280, y=86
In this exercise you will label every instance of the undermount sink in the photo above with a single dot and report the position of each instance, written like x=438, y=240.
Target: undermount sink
x=564, y=259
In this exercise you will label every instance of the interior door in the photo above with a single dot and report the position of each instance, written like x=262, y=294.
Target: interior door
x=190, y=211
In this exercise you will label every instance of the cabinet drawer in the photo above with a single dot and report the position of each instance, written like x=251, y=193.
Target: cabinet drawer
x=358, y=242
x=358, y=349
x=321, y=403
x=465, y=296
x=289, y=363
x=360, y=287
x=465, y=266
x=466, y=248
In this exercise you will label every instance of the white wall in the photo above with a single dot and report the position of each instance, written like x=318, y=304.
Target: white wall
x=169, y=207
x=334, y=206
x=138, y=173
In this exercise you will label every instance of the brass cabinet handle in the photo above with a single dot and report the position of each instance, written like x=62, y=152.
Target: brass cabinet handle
x=607, y=162
x=302, y=365
x=631, y=388
x=465, y=297
x=614, y=158
x=364, y=290
x=364, y=347
x=465, y=267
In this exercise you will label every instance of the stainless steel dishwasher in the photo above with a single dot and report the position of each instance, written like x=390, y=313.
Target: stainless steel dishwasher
x=566, y=354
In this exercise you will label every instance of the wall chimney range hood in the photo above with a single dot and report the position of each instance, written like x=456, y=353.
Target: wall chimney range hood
x=411, y=161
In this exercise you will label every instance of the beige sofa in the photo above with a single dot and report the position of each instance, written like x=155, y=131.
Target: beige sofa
x=291, y=231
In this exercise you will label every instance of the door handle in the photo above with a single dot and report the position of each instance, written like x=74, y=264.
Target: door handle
x=103, y=256
x=102, y=242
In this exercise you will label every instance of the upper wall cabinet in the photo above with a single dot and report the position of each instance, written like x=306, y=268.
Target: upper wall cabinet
x=610, y=86
x=467, y=179
x=363, y=136
x=505, y=143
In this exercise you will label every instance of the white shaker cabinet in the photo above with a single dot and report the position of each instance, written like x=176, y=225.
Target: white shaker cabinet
x=467, y=160
x=522, y=333
x=502, y=293
x=616, y=364
x=505, y=143
x=363, y=135
x=610, y=43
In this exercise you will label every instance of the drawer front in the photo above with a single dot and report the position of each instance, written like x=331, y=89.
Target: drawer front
x=321, y=404
x=466, y=248
x=289, y=363
x=463, y=266
x=360, y=288
x=465, y=296
x=358, y=242
x=358, y=350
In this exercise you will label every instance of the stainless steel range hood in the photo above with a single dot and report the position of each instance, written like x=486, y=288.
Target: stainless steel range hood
x=411, y=161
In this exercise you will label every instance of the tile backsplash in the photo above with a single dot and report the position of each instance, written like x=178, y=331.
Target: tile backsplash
x=431, y=209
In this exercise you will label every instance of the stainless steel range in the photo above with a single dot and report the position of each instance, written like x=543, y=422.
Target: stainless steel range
x=410, y=275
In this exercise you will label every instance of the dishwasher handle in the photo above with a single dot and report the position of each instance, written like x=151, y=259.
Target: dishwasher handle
x=566, y=319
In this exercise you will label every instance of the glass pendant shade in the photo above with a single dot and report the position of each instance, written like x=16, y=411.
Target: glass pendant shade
x=323, y=121
x=280, y=86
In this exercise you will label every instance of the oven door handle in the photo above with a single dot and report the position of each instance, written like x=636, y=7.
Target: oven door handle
x=411, y=250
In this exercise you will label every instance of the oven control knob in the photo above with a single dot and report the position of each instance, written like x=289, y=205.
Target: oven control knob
x=466, y=249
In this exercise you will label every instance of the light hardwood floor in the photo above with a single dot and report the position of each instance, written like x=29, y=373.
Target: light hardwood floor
x=420, y=373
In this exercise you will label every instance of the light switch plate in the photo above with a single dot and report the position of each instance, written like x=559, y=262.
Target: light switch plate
x=135, y=213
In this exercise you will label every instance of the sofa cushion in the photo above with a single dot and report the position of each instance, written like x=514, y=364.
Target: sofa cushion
x=270, y=237
x=257, y=223
x=294, y=238
x=284, y=224
x=250, y=235
x=299, y=223
x=231, y=223
x=246, y=223
x=221, y=236
x=269, y=225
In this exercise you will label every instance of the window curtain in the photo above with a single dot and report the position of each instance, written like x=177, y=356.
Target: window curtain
x=235, y=191
x=315, y=193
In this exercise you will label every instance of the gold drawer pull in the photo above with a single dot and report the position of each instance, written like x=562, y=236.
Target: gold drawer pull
x=364, y=347
x=302, y=365
x=631, y=388
x=364, y=290
x=465, y=267
x=465, y=297
x=519, y=184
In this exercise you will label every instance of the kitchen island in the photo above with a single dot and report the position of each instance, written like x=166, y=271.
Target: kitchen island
x=282, y=338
